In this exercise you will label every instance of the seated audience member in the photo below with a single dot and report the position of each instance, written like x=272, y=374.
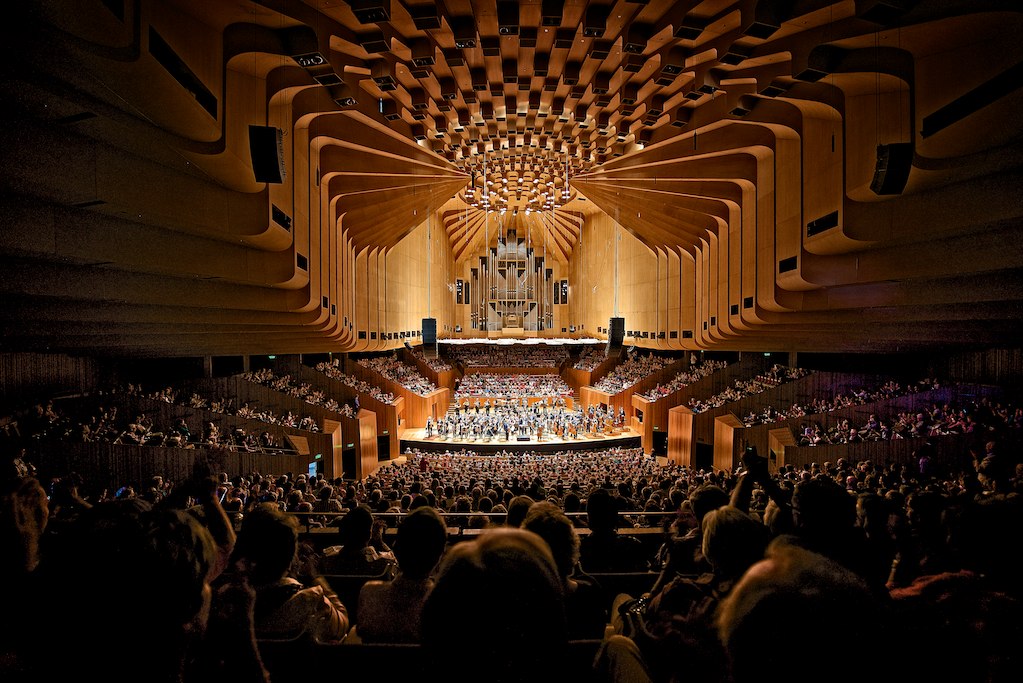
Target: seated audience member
x=994, y=468
x=604, y=549
x=23, y=516
x=793, y=615
x=674, y=627
x=513, y=570
x=326, y=501
x=285, y=609
x=356, y=555
x=585, y=606
x=922, y=547
x=390, y=611
x=518, y=507
x=685, y=552
x=136, y=579
x=971, y=613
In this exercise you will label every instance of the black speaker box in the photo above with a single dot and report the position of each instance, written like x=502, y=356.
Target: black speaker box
x=266, y=146
x=615, y=333
x=429, y=330
x=892, y=169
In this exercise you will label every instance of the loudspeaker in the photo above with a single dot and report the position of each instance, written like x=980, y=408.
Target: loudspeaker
x=615, y=333
x=266, y=146
x=371, y=11
x=508, y=18
x=429, y=331
x=892, y=169
x=595, y=20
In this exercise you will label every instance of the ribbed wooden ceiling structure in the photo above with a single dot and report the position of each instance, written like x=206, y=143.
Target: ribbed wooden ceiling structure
x=805, y=174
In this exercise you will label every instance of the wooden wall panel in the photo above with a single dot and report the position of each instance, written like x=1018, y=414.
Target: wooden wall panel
x=726, y=427
x=655, y=419
x=110, y=466
x=680, y=436
x=33, y=376
x=366, y=448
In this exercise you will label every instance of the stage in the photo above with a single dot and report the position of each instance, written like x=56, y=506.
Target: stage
x=417, y=438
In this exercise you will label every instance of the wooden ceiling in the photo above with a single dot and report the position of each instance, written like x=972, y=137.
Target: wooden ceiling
x=738, y=140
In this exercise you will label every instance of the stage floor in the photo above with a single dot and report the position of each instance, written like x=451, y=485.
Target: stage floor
x=417, y=438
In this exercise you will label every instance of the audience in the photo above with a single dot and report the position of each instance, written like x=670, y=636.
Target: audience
x=636, y=368
x=355, y=554
x=390, y=367
x=590, y=358
x=793, y=614
x=436, y=364
x=864, y=557
x=685, y=378
x=390, y=611
x=284, y=384
x=777, y=375
x=333, y=370
x=135, y=580
x=285, y=609
x=490, y=385
x=512, y=572
x=507, y=356
x=586, y=610
x=604, y=549
x=672, y=629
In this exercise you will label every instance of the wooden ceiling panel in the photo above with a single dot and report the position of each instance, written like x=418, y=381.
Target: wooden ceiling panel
x=819, y=174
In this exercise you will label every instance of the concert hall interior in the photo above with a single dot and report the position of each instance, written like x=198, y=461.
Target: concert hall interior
x=344, y=240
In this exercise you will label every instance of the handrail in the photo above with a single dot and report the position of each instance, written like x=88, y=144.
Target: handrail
x=313, y=522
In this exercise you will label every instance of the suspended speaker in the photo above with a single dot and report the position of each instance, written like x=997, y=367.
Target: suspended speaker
x=892, y=169
x=266, y=146
x=429, y=330
x=615, y=333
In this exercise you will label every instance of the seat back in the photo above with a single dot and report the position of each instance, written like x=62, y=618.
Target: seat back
x=348, y=586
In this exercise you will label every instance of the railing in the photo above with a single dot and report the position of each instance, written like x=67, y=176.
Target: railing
x=460, y=524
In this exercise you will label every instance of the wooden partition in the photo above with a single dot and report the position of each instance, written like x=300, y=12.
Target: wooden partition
x=416, y=408
x=951, y=453
x=779, y=442
x=362, y=444
x=857, y=415
x=725, y=427
x=257, y=396
x=802, y=390
x=623, y=400
x=434, y=405
x=578, y=379
x=388, y=414
x=445, y=378
x=588, y=396
x=705, y=387
x=680, y=436
x=109, y=466
x=164, y=415
x=655, y=419
x=35, y=376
